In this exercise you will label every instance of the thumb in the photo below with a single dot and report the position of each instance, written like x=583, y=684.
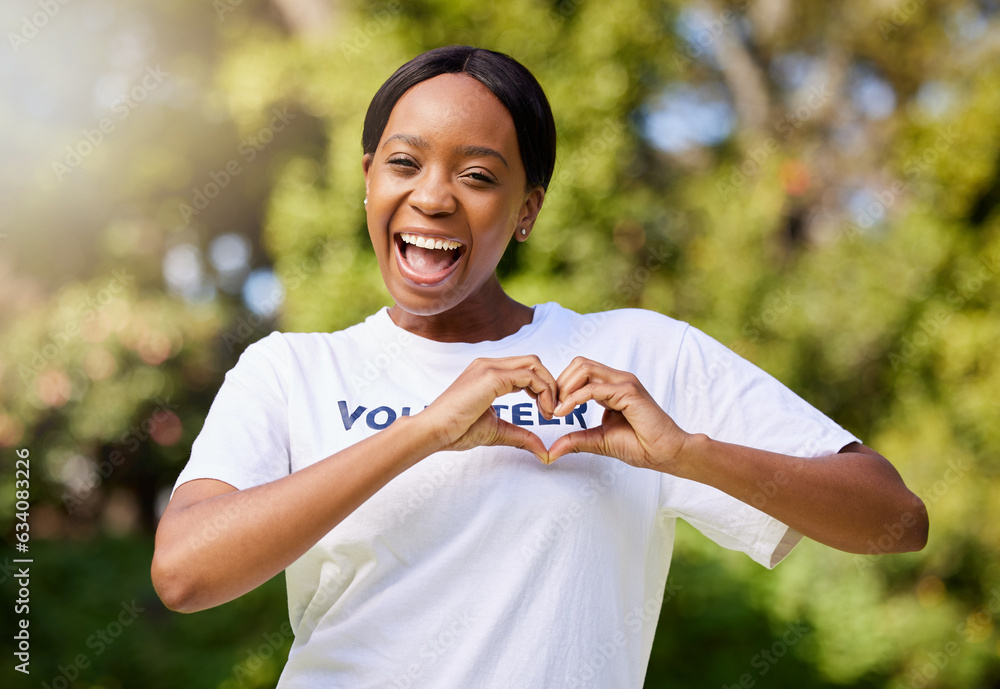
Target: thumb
x=508, y=434
x=590, y=440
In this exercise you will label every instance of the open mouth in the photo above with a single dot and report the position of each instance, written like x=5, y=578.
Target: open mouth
x=427, y=260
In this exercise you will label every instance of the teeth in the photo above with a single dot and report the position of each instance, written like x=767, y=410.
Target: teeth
x=429, y=242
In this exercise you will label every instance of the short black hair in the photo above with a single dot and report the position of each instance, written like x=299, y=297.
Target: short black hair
x=505, y=77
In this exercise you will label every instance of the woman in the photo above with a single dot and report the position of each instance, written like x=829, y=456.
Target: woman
x=496, y=506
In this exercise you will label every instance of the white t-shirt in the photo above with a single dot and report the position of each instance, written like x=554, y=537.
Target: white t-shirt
x=488, y=568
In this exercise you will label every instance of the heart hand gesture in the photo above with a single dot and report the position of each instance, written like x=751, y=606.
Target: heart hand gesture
x=634, y=428
x=464, y=417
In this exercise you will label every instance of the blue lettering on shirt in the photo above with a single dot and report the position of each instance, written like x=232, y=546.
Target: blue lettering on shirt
x=349, y=418
x=372, y=417
x=578, y=413
x=523, y=414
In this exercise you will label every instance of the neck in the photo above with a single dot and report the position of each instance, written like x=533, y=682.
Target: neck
x=487, y=315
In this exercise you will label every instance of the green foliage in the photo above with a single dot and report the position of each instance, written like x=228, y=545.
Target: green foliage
x=852, y=253
x=96, y=621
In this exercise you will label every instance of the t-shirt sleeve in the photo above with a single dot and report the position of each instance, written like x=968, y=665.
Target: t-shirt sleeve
x=720, y=394
x=245, y=440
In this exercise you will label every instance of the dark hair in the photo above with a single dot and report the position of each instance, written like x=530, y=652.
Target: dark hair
x=505, y=77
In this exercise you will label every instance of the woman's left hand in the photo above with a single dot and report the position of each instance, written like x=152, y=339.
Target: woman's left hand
x=634, y=428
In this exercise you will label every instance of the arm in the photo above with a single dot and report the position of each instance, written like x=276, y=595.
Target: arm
x=845, y=500
x=215, y=543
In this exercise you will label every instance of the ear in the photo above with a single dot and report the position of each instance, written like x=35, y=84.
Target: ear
x=366, y=166
x=529, y=213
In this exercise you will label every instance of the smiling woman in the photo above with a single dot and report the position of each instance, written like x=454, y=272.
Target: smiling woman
x=446, y=189
x=493, y=504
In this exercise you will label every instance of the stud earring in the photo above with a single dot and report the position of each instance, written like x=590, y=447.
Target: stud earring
x=366, y=201
x=523, y=231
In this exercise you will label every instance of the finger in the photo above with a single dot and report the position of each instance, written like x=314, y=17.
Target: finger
x=576, y=374
x=608, y=395
x=508, y=434
x=548, y=395
x=532, y=377
x=582, y=367
x=580, y=373
x=590, y=440
x=484, y=380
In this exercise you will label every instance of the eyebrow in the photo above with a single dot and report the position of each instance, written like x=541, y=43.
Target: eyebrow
x=420, y=142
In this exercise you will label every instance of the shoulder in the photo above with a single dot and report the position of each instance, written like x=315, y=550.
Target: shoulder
x=625, y=315
x=636, y=340
x=283, y=345
x=629, y=323
x=294, y=355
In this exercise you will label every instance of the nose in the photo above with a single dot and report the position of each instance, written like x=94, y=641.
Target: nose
x=432, y=193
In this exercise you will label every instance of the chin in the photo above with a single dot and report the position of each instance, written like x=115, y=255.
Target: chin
x=422, y=305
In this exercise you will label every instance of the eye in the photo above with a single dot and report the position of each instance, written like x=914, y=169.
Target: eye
x=401, y=162
x=482, y=177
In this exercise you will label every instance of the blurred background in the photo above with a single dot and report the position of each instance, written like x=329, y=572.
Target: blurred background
x=816, y=185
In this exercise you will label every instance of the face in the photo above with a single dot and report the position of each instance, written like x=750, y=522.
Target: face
x=446, y=190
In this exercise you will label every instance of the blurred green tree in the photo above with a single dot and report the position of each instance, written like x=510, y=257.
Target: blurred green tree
x=814, y=185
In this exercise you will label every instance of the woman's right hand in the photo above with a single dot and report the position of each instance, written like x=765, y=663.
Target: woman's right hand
x=215, y=542
x=463, y=415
